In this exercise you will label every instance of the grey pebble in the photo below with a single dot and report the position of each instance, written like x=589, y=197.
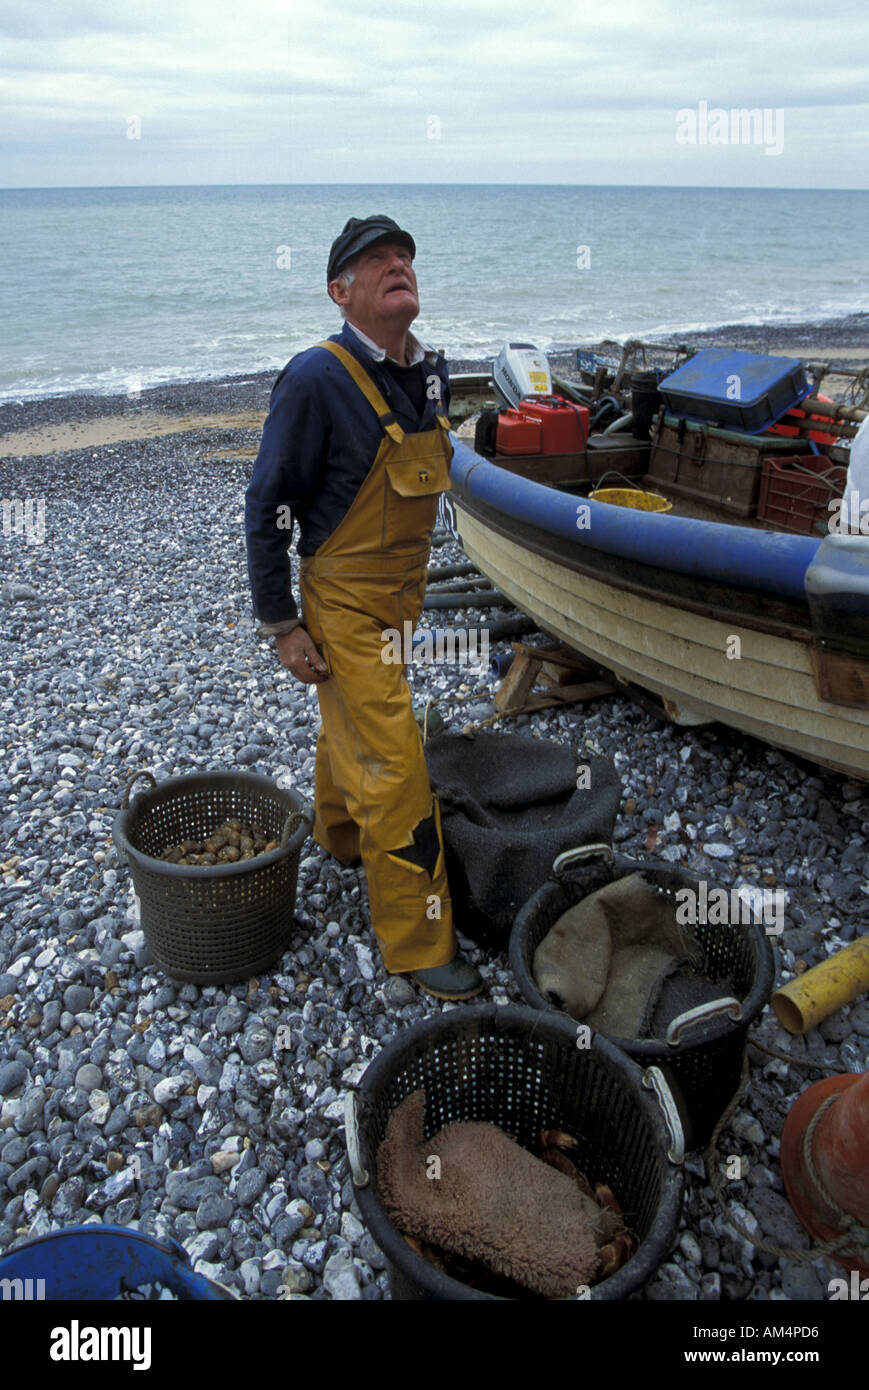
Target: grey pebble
x=250, y=1186
x=230, y=1018
x=836, y=1028
x=88, y=1077
x=30, y=1116
x=340, y=1278
x=76, y=998
x=398, y=991
x=802, y=1282
x=255, y=1045
x=13, y=1075
x=314, y=1256
x=367, y=1250
x=671, y=1284
x=213, y=1211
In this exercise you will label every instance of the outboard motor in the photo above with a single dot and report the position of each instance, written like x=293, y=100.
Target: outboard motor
x=520, y=370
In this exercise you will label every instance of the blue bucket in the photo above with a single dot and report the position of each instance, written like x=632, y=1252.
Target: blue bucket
x=100, y=1262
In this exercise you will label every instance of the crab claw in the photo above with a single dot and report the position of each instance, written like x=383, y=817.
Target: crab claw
x=605, y=1197
x=616, y=1254
x=558, y=1160
x=557, y=1139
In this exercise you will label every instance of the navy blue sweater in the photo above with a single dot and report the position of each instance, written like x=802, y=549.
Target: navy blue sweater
x=318, y=443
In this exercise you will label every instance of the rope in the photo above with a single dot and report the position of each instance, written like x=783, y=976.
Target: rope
x=794, y=1061
x=461, y=699
x=843, y=1218
x=858, y=389
x=474, y=695
x=815, y=477
x=810, y=1162
x=449, y=700
x=856, y=1237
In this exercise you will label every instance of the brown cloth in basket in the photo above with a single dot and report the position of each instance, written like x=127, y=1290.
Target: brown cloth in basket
x=493, y=1202
x=608, y=956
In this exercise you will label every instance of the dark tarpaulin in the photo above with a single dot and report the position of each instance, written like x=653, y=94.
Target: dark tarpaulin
x=509, y=805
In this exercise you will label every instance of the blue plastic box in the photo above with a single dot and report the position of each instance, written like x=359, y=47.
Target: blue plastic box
x=745, y=391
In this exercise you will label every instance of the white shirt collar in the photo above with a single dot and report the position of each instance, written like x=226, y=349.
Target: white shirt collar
x=415, y=350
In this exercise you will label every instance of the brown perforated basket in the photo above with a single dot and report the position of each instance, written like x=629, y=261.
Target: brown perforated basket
x=221, y=923
x=702, y=1053
x=523, y=1070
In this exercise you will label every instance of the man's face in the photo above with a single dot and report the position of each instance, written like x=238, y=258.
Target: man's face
x=384, y=288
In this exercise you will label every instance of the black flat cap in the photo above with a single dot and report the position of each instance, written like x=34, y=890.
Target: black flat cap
x=359, y=233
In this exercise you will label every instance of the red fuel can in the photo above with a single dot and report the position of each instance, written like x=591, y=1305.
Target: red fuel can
x=518, y=433
x=565, y=426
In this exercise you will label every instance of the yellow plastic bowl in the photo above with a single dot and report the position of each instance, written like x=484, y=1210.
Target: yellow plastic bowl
x=632, y=497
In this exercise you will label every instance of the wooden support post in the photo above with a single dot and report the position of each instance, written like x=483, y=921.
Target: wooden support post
x=516, y=685
x=557, y=668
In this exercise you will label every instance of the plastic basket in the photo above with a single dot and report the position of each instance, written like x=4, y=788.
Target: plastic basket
x=795, y=493
x=101, y=1262
x=632, y=497
x=524, y=1072
x=703, y=1059
x=213, y=925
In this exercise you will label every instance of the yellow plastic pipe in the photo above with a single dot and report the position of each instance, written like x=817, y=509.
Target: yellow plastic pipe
x=810, y=998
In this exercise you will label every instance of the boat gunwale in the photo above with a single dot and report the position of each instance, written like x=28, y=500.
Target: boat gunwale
x=775, y=562
x=538, y=540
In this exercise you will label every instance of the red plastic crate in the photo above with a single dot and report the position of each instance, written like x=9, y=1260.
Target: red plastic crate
x=795, y=492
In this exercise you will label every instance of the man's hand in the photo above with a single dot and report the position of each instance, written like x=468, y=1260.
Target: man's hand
x=297, y=652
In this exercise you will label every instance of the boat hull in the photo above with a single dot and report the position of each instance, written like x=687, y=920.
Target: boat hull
x=708, y=651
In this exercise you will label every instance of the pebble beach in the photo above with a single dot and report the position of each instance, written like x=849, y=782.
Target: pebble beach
x=214, y=1115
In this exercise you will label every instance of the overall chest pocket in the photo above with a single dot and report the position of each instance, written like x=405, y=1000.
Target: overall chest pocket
x=411, y=491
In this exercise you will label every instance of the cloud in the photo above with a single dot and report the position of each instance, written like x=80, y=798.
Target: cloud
x=324, y=90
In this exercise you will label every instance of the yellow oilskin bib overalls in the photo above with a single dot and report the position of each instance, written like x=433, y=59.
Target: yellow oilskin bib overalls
x=372, y=784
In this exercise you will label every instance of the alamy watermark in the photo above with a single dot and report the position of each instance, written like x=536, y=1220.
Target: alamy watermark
x=24, y=516
x=77, y=1343
x=739, y=906
x=851, y=1288
x=464, y=646
x=26, y=1290
x=738, y=126
x=849, y=516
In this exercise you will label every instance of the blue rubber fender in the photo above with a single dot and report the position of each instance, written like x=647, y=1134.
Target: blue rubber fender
x=769, y=561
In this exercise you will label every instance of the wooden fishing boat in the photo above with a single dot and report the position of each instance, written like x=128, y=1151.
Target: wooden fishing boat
x=705, y=609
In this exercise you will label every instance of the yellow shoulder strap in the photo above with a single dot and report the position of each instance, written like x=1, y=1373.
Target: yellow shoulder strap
x=386, y=417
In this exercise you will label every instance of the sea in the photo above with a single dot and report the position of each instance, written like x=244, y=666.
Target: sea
x=114, y=290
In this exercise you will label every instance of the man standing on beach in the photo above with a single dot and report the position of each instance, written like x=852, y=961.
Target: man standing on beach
x=356, y=449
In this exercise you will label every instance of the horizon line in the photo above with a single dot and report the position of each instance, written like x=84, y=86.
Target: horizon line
x=675, y=188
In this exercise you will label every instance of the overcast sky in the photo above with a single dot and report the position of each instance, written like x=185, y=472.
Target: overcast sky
x=109, y=92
